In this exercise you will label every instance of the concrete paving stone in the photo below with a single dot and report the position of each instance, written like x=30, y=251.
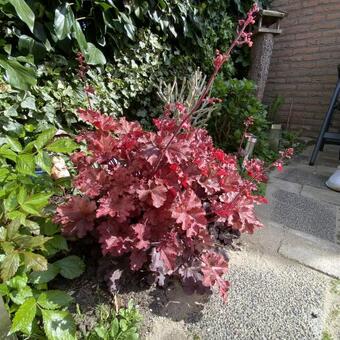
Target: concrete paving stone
x=299, y=212
x=270, y=298
x=322, y=256
x=325, y=195
x=304, y=176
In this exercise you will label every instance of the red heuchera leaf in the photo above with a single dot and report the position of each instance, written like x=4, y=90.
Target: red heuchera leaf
x=188, y=212
x=154, y=192
x=76, y=216
x=213, y=268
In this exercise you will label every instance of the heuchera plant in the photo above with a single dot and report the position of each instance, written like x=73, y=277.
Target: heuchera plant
x=161, y=198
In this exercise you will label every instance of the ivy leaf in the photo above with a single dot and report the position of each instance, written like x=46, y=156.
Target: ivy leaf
x=64, y=145
x=58, y=325
x=71, y=266
x=14, y=144
x=17, y=75
x=29, y=103
x=10, y=265
x=35, y=261
x=45, y=276
x=54, y=299
x=94, y=56
x=24, y=12
x=63, y=21
x=24, y=317
x=25, y=164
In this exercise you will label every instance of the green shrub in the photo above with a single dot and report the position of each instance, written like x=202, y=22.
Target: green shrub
x=29, y=240
x=227, y=123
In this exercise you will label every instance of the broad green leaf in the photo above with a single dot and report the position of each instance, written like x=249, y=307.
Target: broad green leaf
x=49, y=228
x=56, y=244
x=3, y=289
x=114, y=329
x=58, y=325
x=27, y=241
x=25, y=164
x=64, y=145
x=44, y=138
x=71, y=266
x=7, y=153
x=54, y=299
x=10, y=265
x=38, y=201
x=10, y=202
x=63, y=21
x=43, y=161
x=22, y=195
x=14, y=144
x=24, y=12
x=3, y=173
x=12, y=229
x=45, y=276
x=80, y=37
x=24, y=317
x=35, y=261
x=94, y=56
x=19, y=76
x=17, y=215
x=17, y=282
x=19, y=296
x=34, y=227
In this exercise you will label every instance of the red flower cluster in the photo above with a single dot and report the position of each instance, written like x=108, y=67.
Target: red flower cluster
x=159, y=214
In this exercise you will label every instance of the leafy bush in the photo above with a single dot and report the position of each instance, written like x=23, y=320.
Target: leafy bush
x=238, y=103
x=29, y=239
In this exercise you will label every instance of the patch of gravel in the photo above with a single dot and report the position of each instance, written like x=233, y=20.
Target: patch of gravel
x=270, y=298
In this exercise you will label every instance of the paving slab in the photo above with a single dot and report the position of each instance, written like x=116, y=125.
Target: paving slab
x=316, y=254
x=327, y=195
x=299, y=212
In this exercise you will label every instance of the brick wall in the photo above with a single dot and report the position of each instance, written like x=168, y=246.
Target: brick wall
x=304, y=63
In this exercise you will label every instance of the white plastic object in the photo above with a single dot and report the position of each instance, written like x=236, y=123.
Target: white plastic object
x=334, y=181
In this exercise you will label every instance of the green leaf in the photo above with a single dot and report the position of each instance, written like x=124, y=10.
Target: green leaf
x=44, y=138
x=18, y=75
x=45, y=276
x=71, y=266
x=58, y=325
x=24, y=12
x=25, y=164
x=12, y=229
x=38, y=201
x=14, y=144
x=34, y=227
x=54, y=299
x=10, y=265
x=63, y=21
x=3, y=289
x=43, y=161
x=65, y=145
x=28, y=103
x=17, y=282
x=10, y=203
x=3, y=173
x=114, y=329
x=35, y=261
x=80, y=37
x=27, y=241
x=24, y=317
x=56, y=244
x=22, y=195
x=19, y=296
x=94, y=56
x=7, y=153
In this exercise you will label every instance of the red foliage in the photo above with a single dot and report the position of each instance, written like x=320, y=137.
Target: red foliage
x=159, y=217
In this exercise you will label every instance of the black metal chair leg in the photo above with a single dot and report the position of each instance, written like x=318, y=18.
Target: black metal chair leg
x=325, y=124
